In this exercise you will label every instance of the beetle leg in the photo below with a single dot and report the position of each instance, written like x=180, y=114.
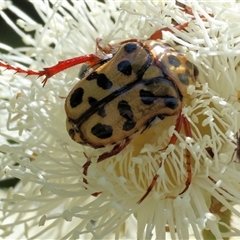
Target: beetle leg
x=185, y=8
x=188, y=156
x=150, y=187
x=158, y=34
x=107, y=50
x=117, y=148
x=188, y=10
x=85, y=168
x=181, y=120
x=48, y=72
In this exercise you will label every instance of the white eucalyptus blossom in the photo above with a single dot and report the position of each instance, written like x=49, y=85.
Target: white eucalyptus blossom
x=52, y=200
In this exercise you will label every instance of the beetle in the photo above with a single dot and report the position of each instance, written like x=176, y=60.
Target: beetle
x=124, y=90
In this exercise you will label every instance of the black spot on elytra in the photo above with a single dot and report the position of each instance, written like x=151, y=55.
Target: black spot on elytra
x=101, y=111
x=171, y=102
x=102, y=80
x=102, y=131
x=187, y=72
x=130, y=47
x=183, y=79
x=92, y=101
x=76, y=97
x=174, y=61
x=189, y=65
x=126, y=112
x=125, y=67
x=147, y=97
x=195, y=71
x=71, y=132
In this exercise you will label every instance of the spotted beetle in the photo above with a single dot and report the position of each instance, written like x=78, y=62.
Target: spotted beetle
x=123, y=92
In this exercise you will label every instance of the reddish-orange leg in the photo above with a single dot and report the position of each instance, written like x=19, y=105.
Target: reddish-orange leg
x=181, y=120
x=154, y=36
x=189, y=11
x=117, y=148
x=158, y=33
x=186, y=9
x=48, y=72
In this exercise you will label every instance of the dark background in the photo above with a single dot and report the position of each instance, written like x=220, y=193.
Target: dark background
x=7, y=35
